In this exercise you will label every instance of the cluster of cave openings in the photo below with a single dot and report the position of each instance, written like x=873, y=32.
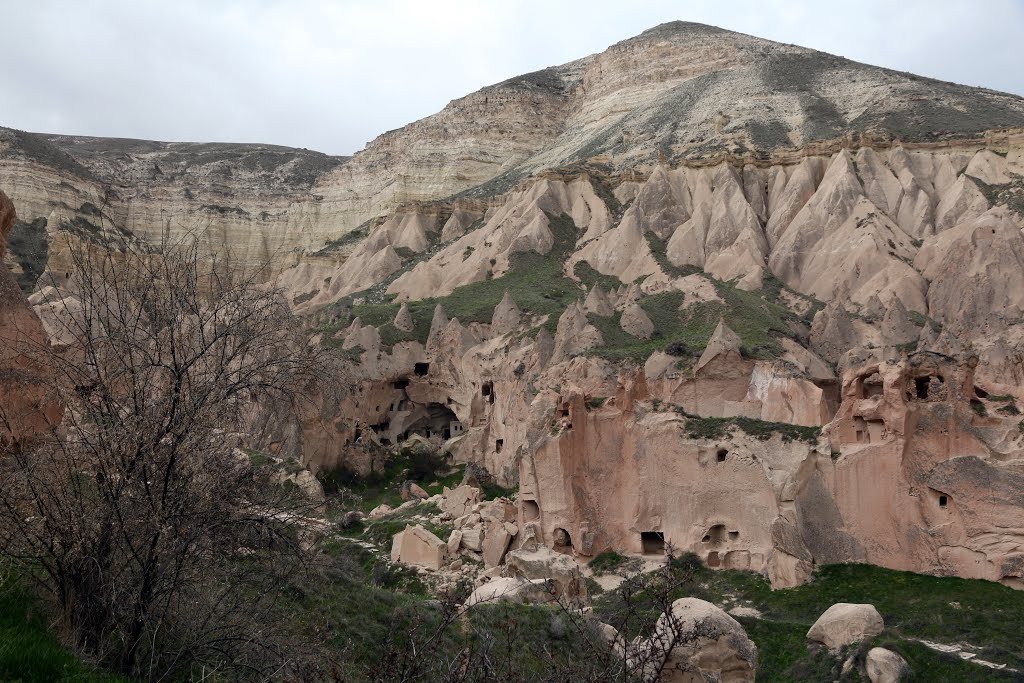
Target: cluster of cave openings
x=531, y=511
x=432, y=420
x=487, y=391
x=927, y=388
x=868, y=431
x=652, y=542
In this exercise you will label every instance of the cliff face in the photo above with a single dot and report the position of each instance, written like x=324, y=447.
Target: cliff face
x=698, y=267
x=26, y=405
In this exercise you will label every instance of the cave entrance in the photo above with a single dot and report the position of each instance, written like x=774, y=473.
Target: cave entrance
x=714, y=560
x=432, y=420
x=652, y=542
x=715, y=534
x=421, y=369
x=562, y=539
x=531, y=511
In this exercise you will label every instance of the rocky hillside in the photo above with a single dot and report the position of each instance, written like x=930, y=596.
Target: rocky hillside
x=680, y=93
x=776, y=285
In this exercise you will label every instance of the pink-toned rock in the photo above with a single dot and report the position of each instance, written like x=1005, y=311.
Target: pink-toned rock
x=497, y=540
x=417, y=546
x=27, y=405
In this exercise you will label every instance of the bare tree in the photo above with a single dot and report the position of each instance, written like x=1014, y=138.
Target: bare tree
x=153, y=536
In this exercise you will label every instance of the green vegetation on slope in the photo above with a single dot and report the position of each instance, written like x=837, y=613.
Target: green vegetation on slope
x=914, y=606
x=535, y=282
x=29, y=653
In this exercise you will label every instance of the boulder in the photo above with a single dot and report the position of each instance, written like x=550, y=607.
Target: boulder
x=473, y=539
x=454, y=542
x=417, y=546
x=512, y=589
x=496, y=542
x=844, y=623
x=543, y=563
x=597, y=303
x=410, y=490
x=460, y=500
x=723, y=342
x=697, y=641
x=885, y=666
x=380, y=512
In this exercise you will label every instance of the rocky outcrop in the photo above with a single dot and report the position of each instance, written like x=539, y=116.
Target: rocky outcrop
x=28, y=404
x=844, y=623
x=695, y=640
x=419, y=547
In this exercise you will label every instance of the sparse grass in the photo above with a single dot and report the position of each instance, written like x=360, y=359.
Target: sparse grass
x=608, y=561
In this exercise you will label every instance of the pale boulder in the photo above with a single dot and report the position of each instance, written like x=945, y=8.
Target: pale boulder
x=473, y=539
x=509, y=589
x=885, y=666
x=543, y=563
x=698, y=641
x=844, y=623
x=597, y=303
x=496, y=542
x=723, y=342
x=460, y=500
x=417, y=546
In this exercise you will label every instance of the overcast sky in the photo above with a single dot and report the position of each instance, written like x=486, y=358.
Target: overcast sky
x=332, y=75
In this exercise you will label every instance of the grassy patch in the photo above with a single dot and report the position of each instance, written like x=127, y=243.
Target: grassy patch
x=914, y=606
x=608, y=561
x=29, y=653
